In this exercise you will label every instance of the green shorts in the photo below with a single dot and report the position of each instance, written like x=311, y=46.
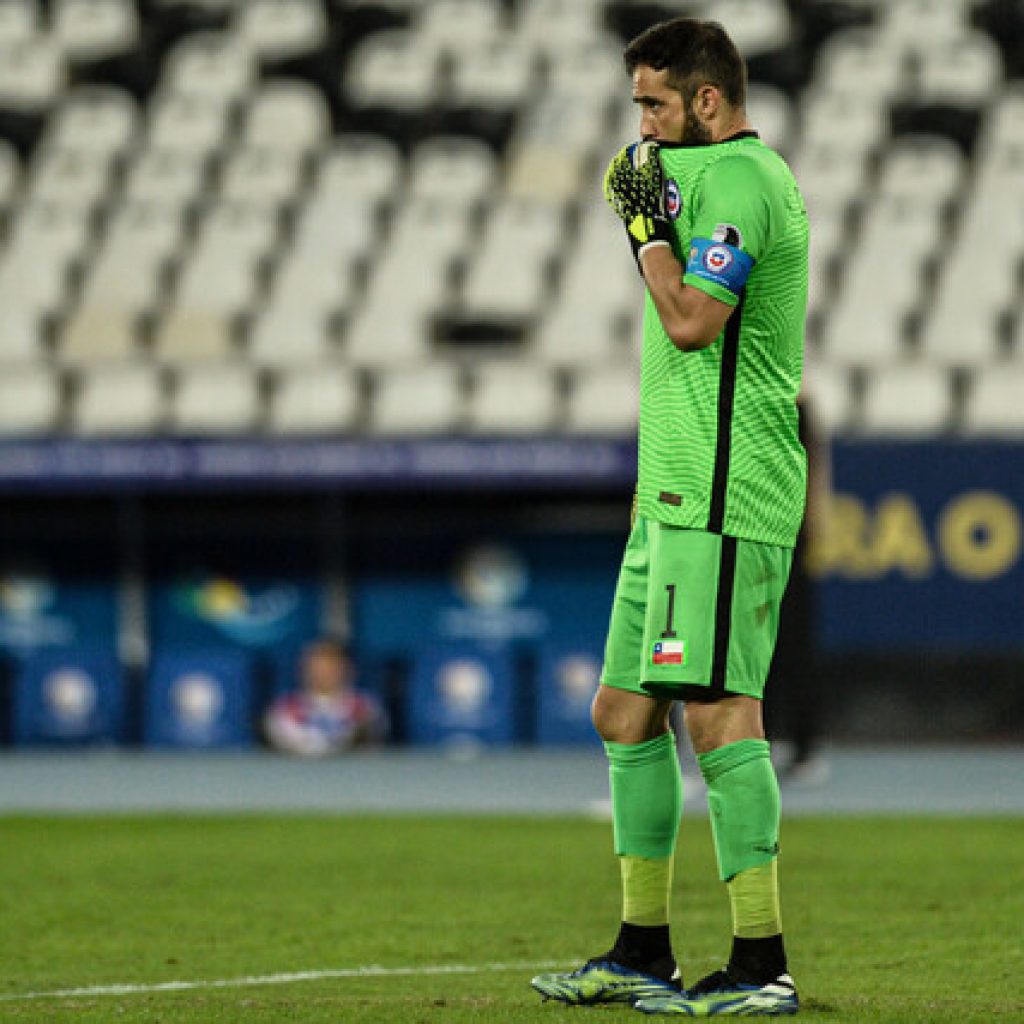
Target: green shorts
x=695, y=614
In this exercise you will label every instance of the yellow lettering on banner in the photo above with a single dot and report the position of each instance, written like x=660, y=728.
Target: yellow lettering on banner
x=900, y=540
x=842, y=546
x=980, y=535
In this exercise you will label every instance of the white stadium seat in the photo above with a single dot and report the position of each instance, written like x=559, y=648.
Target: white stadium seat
x=459, y=26
x=261, y=177
x=30, y=401
x=275, y=30
x=290, y=115
x=93, y=117
x=864, y=64
x=360, y=166
x=907, y=401
x=93, y=29
x=390, y=69
x=215, y=400
x=291, y=336
x=319, y=400
x=169, y=177
x=417, y=400
x=994, y=406
x=216, y=68
x=962, y=71
x=453, y=171
x=604, y=400
x=33, y=74
x=512, y=398
x=22, y=339
x=387, y=334
x=186, y=123
x=496, y=75
x=76, y=179
x=121, y=400
x=19, y=21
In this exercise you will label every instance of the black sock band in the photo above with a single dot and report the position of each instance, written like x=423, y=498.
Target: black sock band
x=640, y=947
x=757, y=961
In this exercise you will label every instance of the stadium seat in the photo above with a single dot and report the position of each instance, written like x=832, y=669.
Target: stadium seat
x=756, y=26
x=495, y=75
x=570, y=336
x=360, y=166
x=771, y=112
x=290, y=115
x=604, y=401
x=289, y=336
x=317, y=400
x=454, y=171
x=94, y=29
x=68, y=697
x=22, y=337
x=512, y=398
x=213, y=67
x=459, y=26
x=187, y=335
x=924, y=24
x=275, y=31
x=10, y=174
x=334, y=229
x=417, y=400
x=907, y=401
x=72, y=179
x=391, y=70
x=123, y=399
x=304, y=287
x=19, y=22
x=97, y=335
x=385, y=334
x=993, y=404
x=556, y=26
x=30, y=398
x=829, y=390
x=959, y=331
x=922, y=169
x=261, y=177
x=215, y=400
x=846, y=120
x=32, y=75
x=865, y=66
x=199, y=700
x=591, y=68
x=962, y=71
x=168, y=177
x=93, y=117
x=185, y=123
x=858, y=335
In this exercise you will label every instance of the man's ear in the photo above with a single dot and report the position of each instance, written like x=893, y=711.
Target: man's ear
x=706, y=101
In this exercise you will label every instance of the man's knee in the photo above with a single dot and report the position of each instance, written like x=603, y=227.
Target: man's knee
x=620, y=716
x=715, y=724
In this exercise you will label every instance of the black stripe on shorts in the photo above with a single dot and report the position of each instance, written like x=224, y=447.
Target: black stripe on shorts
x=723, y=616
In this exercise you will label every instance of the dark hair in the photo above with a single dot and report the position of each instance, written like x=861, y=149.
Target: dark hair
x=694, y=52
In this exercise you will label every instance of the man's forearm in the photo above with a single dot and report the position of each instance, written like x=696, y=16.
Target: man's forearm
x=679, y=307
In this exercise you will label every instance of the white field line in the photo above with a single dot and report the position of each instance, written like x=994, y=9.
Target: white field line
x=369, y=971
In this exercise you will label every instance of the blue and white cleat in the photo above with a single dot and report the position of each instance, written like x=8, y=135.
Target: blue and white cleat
x=720, y=995
x=602, y=980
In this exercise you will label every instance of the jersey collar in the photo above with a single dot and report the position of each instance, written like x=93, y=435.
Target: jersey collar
x=746, y=133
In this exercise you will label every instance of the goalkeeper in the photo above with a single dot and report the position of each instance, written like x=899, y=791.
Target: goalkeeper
x=719, y=232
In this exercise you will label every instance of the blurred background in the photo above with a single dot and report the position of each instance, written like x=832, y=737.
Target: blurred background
x=314, y=324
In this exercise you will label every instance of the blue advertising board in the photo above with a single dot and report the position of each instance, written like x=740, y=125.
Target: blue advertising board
x=923, y=551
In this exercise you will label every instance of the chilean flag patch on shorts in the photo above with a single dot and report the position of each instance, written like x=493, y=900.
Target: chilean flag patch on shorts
x=668, y=652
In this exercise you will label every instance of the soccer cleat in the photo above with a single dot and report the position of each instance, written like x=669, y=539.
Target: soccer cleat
x=720, y=995
x=603, y=980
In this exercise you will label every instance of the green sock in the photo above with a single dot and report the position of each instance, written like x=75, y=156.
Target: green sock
x=647, y=796
x=743, y=797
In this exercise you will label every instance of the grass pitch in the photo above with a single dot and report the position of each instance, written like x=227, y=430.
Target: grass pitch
x=887, y=919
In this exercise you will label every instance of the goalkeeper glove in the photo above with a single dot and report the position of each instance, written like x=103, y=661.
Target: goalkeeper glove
x=634, y=187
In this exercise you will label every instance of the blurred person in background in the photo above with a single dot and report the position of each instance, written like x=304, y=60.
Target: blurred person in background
x=327, y=714
x=719, y=231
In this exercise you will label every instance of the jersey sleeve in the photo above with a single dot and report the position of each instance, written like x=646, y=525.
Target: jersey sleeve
x=731, y=228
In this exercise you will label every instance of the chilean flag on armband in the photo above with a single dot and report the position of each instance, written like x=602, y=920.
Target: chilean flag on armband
x=668, y=652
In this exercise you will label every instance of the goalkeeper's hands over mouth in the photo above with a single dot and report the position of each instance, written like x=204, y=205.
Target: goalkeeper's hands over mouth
x=634, y=187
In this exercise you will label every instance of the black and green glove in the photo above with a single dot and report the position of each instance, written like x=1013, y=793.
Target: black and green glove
x=635, y=189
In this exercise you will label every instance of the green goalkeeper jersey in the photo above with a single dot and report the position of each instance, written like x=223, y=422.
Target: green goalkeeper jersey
x=718, y=444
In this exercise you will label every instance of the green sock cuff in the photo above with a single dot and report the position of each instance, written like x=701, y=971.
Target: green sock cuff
x=626, y=755
x=715, y=763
